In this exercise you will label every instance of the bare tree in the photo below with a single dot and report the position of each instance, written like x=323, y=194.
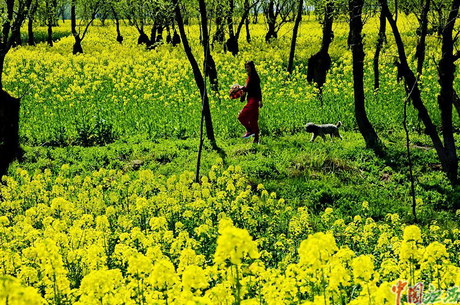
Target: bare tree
x=381, y=39
x=197, y=73
x=420, y=9
x=355, y=42
x=446, y=151
x=88, y=10
x=276, y=14
x=138, y=14
x=294, y=36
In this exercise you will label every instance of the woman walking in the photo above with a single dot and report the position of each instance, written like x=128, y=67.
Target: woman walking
x=249, y=116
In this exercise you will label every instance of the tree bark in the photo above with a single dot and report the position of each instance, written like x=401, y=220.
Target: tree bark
x=420, y=53
x=73, y=24
x=355, y=42
x=219, y=35
x=117, y=24
x=294, y=36
x=244, y=19
x=143, y=38
x=256, y=14
x=49, y=39
x=248, y=34
x=211, y=70
x=197, y=74
x=78, y=39
x=9, y=130
x=320, y=63
x=232, y=41
x=271, y=21
x=380, y=40
x=30, y=31
x=446, y=96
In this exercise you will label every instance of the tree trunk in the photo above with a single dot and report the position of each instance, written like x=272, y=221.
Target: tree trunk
x=153, y=34
x=413, y=90
x=248, y=35
x=73, y=24
x=143, y=38
x=211, y=70
x=159, y=38
x=9, y=106
x=380, y=40
x=3, y=52
x=77, y=48
x=319, y=63
x=294, y=36
x=446, y=96
x=30, y=30
x=197, y=74
x=49, y=40
x=168, y=36
x=271, y=21
x=420, y=53
x=232, y=42
x=244, y=19
x=355, y=42
x=117, y=24
x=219, y=35
x=175, y=39
x=9, y=129
x=18, y=40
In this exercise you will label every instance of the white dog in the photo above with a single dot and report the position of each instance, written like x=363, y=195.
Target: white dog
x=323, y=130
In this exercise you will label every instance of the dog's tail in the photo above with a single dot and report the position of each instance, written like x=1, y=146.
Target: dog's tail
x=339, y=124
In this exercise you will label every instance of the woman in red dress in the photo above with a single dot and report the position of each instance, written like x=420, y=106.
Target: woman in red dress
x=249, y=116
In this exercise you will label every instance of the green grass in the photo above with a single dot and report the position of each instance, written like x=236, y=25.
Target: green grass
x=337, y=174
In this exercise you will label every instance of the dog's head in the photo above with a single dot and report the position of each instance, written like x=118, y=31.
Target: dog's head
x=309, y=127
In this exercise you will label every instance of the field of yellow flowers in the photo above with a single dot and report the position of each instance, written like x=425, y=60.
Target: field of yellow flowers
x=115, y=90
x=115, y=238
x=108, y=235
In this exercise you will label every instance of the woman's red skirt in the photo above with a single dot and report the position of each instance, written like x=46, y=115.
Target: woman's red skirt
x=249, y=116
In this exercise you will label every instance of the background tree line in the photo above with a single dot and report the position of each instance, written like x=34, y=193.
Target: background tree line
x=222, y=22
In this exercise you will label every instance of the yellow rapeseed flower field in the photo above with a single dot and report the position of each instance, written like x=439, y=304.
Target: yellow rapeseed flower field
x=114, y=237
x=111, y=238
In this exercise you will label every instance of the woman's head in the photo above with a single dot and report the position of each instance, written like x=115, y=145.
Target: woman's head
x=250, y=67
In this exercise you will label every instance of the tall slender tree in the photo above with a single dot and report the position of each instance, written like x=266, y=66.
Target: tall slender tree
x=196, y=73
x=355, y=42
x=381, y=39
x=294, y=36
x=30, y=25
x=211, y=70
x=48, y=11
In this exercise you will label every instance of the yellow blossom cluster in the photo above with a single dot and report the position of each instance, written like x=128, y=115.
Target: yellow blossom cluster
x=114, y=237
